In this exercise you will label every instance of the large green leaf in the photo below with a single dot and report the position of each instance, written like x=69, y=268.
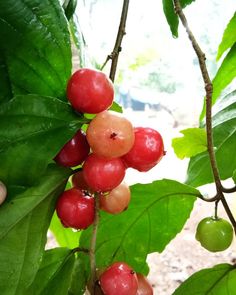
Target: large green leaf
x=219, y=280
x=54, y=275
x=229, y=37
x=192, y=143
x=224, y=131
x=225, y=74
x=171, y=16
x=5, y=85
x=80, y=275
x=25, y=217
x=157, y=212
x=32, y=130
x=35, y=47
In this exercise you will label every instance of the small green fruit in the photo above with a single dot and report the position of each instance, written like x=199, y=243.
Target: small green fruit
x=214, y=234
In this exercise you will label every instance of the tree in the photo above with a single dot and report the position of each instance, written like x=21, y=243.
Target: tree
x=37, y=121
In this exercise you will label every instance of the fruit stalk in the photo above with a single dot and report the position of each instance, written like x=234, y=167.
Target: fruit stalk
x=209, y=91
x=93, y=246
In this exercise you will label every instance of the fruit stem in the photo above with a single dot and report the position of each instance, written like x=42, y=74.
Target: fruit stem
x=93, y=246
x=216, y=209
x=209, y=90
x=117, y=47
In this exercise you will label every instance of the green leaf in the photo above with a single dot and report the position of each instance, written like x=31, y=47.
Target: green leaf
x=35, y=47
x=25, y=217
x=32, y=131
x=184, y=3
x=69, y=8
x=65, y=237
x=229, y=37
x=157, y=212
x=192, y=143
x=54, y=275
x=5, y=85
x=224, y=135
x=219, y=280
x=116, y=107
x=80, y=275
x=225, y=74
x=171, y=16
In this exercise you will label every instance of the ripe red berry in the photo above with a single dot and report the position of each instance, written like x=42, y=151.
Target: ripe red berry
x=119, y=279
x=3, y=192
x=103, y=174
x=90, y=91
x=147, y=151
x=117, y=200
x=74, y=152
x=75, y=209
x=144, y=287
x=110, y=135
x=79, y=182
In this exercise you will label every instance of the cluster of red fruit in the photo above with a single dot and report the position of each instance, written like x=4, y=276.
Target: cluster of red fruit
x=111, y=145
x=115, y=145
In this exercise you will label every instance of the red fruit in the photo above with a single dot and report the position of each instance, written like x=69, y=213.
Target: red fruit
x=75, y=209
x=147, y=151
x=119, y=279
x=110, y=135
x=79, y=182
x=90, y=91
x=144, y=287
x=117, y=200
x=74, y=152
x=103, y=174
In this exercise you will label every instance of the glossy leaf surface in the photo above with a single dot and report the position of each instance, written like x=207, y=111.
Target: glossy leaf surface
x=157, y=212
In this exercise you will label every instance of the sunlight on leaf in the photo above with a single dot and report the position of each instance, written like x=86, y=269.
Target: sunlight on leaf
x=192, y=143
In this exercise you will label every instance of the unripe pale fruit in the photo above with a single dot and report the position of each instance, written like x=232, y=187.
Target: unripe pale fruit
x=103, y=174
x=119, y=279
x=214, y=234
x=147, y=151
x=110, y=135
x=75, y=209
x=90, y=91
x=3, y=192
x=144, y=287
x=117, y=200
x=74, y=152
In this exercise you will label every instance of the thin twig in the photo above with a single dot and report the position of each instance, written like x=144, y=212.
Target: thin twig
x=93, y=246
x=228, y=190
x=228, y=211
x=216, y=209
x=212, y=199
x=117, y=47
x=209, y=90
